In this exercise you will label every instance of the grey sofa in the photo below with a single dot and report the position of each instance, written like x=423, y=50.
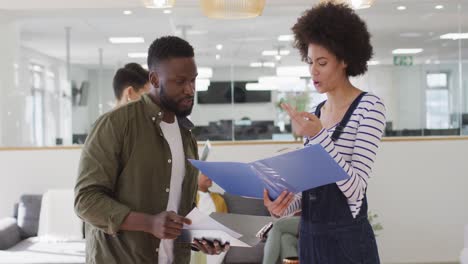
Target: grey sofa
x=24, y=222
x=19, y=240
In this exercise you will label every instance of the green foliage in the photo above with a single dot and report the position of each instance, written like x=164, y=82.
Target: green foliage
x=375, y=225
x=298, y=101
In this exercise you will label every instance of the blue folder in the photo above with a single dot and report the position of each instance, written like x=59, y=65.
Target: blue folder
x=295, y=171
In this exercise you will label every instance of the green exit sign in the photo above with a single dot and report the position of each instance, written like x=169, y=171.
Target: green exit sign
x=403, y=60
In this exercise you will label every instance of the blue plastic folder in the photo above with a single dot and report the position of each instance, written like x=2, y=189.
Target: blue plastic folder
x=295, y=171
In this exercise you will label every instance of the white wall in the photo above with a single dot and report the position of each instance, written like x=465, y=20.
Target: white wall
x=34, y=172
x=418, y=191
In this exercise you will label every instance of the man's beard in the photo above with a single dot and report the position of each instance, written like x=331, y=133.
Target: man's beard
x=172, y=105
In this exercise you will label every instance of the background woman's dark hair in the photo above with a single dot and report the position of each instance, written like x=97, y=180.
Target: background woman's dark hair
x=340, y=30
x=133, y=66
x=125, y=77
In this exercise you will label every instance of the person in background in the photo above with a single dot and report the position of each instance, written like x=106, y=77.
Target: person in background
x=208, y=202
x=135, y=184
x=281, y=240
x=136, y=67
x=334, y=41
x=130, y=82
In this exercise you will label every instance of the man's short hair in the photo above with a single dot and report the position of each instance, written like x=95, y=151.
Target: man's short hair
x=126, y=77
x=137, y=68
x=168, y=47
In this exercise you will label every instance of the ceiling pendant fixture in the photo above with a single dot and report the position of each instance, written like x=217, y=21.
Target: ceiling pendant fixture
x=355, y=4
x=159, y=3
x=232, y=9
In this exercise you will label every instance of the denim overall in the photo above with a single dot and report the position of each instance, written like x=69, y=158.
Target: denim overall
x=328, y=232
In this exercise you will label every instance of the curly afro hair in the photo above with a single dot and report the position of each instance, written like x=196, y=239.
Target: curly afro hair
x=340, y=30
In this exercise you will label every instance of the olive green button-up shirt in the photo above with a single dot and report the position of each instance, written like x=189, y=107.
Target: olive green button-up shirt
x=125, y=166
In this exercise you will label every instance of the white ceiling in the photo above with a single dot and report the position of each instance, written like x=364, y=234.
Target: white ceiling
x=42, y=26
x=60, y=4
x=74, y=4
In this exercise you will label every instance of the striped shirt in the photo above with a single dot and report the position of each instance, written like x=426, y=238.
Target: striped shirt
x=355, y=150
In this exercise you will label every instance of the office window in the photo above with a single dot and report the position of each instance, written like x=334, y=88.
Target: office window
x=437, y=80
x=437, y=101
x=37, y=91
x=220, y=93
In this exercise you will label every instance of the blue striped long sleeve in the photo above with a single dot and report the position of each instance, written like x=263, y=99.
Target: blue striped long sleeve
x=355, y=151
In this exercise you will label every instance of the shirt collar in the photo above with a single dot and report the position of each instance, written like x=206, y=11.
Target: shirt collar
x=156, y=113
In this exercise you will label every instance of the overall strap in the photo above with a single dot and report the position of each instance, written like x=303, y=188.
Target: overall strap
x=339, y=129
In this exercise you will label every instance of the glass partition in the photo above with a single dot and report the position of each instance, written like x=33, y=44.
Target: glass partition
x=247, y=69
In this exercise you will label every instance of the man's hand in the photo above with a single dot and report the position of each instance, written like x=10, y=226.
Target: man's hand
x=210, y=247
x=167, y=225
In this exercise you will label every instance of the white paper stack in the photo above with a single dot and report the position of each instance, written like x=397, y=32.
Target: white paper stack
x=238, y=230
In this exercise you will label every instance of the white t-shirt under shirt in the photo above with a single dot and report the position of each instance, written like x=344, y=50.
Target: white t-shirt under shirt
x=206, y=204
x=173, y=137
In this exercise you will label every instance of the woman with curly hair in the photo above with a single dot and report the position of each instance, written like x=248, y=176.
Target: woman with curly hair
x=334, y=227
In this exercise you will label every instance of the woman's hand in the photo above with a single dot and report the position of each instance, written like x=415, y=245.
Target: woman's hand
x=278, y=206
x=303, y=123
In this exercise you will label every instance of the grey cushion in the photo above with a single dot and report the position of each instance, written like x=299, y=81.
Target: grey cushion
x=9, y=233
x=15, y=211
x=29, y=209
x=249, y=206
x=245, y=255
x=241, y=205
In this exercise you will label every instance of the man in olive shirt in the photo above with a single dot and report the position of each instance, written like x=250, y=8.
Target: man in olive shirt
x=135, y=183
